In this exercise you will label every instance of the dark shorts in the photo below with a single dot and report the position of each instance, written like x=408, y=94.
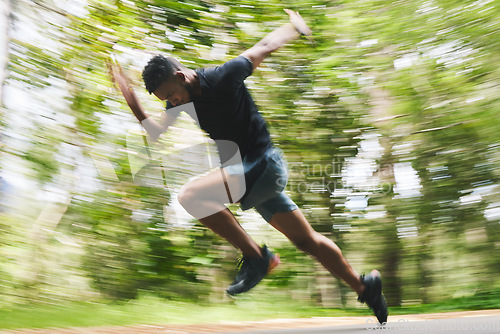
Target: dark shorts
x=265, y=180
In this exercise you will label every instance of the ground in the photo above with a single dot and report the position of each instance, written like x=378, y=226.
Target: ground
x=234, y=327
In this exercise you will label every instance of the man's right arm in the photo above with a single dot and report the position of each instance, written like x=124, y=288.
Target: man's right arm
x=153, y=128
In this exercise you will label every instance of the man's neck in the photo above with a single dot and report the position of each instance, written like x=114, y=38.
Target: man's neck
x=194, y=81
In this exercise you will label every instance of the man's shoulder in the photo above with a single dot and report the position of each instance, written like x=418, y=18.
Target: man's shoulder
x=235, y=67
x=238, y=64
x=210, y=79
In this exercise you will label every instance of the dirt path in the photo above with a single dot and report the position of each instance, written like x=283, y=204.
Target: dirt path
x=227, y=327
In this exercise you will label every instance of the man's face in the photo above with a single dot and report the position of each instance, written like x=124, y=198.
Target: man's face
x=176, y=91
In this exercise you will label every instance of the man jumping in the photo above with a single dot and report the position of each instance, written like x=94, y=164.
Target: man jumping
x=256, y=178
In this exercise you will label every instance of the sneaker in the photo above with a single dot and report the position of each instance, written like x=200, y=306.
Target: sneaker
x=373, y=296
x=252, y=270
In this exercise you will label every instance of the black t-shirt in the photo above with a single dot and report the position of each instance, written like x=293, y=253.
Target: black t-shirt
x=227, y=112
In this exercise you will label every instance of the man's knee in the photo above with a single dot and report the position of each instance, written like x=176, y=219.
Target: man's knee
x=187, y=197
x=197, y=203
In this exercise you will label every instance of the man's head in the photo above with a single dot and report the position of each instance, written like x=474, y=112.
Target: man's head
x=166, y=78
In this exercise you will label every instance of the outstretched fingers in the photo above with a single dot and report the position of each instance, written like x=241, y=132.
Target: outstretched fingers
x=298, y=22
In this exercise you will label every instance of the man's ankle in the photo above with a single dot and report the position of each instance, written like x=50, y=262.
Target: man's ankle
x=361, y=289
x=253, y=253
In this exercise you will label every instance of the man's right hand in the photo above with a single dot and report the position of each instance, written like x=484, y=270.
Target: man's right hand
x=125, y=86
x=117, y=76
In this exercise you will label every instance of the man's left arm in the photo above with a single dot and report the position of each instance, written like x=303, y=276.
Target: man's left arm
x=277, y=38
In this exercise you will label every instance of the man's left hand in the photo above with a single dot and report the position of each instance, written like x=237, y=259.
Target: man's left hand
x=299, y=23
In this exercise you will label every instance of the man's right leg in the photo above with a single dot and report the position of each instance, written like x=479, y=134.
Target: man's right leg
x=295, y=227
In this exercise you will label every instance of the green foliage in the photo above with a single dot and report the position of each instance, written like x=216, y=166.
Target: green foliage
x=386, y=84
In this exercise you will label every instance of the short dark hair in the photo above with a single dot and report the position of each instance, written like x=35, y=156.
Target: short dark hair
x=158, y=70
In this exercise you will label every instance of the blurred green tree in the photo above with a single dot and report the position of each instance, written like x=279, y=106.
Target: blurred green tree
x=419, y=76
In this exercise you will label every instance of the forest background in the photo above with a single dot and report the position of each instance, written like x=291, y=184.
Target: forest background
x=387, y=121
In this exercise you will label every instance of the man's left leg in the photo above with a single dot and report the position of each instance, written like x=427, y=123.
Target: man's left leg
x=204, y=199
